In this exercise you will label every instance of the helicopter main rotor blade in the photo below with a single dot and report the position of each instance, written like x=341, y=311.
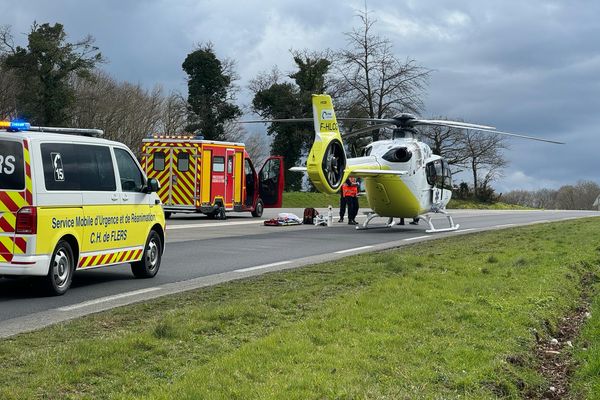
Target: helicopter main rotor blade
x=379, y=120
x=367, y=129
x=450, y=124
x=515, y=135
x=264, y=121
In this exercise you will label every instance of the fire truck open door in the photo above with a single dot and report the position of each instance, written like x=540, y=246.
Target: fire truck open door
x=271, y=181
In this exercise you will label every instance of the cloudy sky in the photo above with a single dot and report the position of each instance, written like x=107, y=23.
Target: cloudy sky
x=523, y=66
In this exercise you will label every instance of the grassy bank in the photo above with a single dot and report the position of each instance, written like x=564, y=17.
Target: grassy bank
x=445, y=319
x=471, y=204
x=586, y=382
x=316, y=200
x=320, y=200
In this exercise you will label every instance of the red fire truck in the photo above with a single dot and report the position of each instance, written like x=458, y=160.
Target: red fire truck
x=203, y=176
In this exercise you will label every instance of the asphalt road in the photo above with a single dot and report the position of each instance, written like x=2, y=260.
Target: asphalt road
x=202, y=252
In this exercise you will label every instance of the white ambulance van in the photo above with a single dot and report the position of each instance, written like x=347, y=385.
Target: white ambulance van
x=72, y=201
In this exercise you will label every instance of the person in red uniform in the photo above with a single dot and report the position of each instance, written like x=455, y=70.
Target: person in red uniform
x=350, y=194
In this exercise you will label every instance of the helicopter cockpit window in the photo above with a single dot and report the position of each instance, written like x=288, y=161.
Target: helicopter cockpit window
x=447, y=174
x=439, y=174
x=367, y=151
x=431, y=173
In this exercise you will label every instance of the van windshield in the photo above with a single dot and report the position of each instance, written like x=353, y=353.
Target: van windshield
x=12, y=174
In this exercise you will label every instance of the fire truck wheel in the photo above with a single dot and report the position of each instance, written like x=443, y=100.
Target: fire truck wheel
x=167, y=215
x=148, y=266
x=258, y=211
x=60, y=273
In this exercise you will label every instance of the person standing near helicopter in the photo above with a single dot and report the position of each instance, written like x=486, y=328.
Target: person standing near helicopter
x=350, y=195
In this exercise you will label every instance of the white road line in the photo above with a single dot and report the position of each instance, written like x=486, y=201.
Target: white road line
x=416, y=238
x=214, y=224
x=503, y=226
x=351, y=250
x=262, y=266
x=107, y=298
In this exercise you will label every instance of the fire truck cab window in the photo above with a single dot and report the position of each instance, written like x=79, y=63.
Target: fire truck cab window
x=218, y=164
x=270, y=170
x=158, y=163
x=183, y=162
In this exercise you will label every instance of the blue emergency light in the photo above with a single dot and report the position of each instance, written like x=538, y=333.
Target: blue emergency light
x=15, y=126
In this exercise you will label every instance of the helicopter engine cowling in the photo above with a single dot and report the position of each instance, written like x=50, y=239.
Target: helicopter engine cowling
x=326, y=163
x=398, y=154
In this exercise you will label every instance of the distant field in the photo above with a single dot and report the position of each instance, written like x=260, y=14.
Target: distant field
x=445, y=319
x=320, y=200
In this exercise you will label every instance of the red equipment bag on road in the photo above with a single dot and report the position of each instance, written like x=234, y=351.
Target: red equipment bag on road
x=309, y=216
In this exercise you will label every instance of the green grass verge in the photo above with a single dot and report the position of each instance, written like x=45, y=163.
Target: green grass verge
x=471, y=204
x=450, y=318
x=586, y=382
x=316, y=200
x=321, y=200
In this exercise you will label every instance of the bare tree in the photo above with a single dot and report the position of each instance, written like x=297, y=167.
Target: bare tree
x=9, y=83
x=446, y=142
x=257, y=144
x=484, y=157
x=371, y=80
x=173, y=115
x=126, y=112
x=265, y=80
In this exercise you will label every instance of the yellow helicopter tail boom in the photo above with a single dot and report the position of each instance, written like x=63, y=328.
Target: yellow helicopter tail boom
x=326, y=163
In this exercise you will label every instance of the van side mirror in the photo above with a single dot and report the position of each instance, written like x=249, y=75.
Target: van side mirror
x=152, y=186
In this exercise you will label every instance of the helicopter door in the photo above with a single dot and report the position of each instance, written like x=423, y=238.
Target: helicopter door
x=440, y=177
x=270, y=182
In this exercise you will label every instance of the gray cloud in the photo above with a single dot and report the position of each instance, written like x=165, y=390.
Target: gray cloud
x=530, y=67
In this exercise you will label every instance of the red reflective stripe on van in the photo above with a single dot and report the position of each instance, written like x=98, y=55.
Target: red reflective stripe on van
x=4, y=250
x=21, y=244
x=5, y=226
x=8, y=202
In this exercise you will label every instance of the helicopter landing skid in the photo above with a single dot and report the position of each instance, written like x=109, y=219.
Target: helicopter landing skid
x=370, y=217
x=432, y=229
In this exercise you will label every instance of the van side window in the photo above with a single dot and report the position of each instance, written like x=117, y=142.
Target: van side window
x=183, y=162
x=158, y=163
x=61, y=166
x=96, y=171
x=78, y=167
x=12, y=173
x=131, y=177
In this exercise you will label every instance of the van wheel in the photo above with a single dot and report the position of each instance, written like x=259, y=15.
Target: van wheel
x=167, y=214
x=258, y=211
x=148, y=266
x=62, y=266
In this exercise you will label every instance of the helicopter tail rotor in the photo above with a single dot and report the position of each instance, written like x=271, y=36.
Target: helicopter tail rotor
x=326, y=163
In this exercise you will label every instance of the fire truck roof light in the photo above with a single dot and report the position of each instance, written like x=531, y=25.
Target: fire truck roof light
x=15, y=125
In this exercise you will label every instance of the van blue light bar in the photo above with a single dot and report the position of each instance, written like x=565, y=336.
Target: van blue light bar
x=15, y=125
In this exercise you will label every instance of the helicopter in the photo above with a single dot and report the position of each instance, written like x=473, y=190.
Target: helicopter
x=402, y=176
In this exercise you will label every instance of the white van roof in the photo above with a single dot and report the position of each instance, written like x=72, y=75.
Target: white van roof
x=56, y=137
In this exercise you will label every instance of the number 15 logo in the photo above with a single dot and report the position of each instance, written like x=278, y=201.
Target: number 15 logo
x=59, y=173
